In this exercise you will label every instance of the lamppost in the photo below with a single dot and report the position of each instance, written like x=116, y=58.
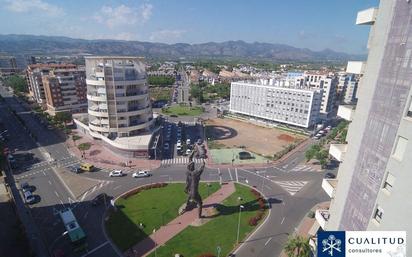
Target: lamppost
x=54, y=242
x=154, y=237
x=238, y=224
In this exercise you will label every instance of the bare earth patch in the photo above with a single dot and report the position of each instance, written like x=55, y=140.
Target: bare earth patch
x=257, y=139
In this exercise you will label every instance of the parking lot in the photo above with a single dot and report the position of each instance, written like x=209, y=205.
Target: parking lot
x=179, y=138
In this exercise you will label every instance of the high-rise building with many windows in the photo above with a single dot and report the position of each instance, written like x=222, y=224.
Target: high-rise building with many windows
x=119, y=111
x=373, y=186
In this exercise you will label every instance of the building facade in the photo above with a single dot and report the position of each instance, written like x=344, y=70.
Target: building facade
x=35, y=73
x=119, y=111
x=292, y=106
x=8, y=65
x=372, y=189
x=65, y=90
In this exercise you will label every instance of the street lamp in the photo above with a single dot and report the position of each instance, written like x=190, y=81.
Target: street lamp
x=238, y=224
x=154, y=237
x=55, y=241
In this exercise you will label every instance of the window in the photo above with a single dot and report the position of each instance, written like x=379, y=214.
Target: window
x=378, y=214
x=400, y=148
x=389, y=182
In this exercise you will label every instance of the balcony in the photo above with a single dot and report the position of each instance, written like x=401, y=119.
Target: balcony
x=367, y=17
x=355, y=67
x=338, y=151
x=329, y=185
x=346, y=112
x=322, y=216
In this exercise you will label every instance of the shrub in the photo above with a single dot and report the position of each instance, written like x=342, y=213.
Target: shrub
x=253, y=221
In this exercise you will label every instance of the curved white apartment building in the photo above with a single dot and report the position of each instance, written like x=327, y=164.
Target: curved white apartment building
x=119, y=111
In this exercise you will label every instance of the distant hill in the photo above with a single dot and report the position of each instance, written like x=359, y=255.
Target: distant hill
x=30, y=44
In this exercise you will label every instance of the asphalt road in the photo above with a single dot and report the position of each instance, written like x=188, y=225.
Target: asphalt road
x=287, y=207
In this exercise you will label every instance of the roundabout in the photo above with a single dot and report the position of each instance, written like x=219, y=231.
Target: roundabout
x=145, y=221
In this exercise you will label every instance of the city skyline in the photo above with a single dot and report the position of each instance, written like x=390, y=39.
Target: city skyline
x=313, y=25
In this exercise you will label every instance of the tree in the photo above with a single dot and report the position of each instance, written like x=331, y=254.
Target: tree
x=297, y=246
x=16, y=82
x=63, y=117
x=322, y=157
x=197, y=92
x=309, y=154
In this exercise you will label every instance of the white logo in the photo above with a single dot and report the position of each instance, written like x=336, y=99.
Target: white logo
x=331, y=244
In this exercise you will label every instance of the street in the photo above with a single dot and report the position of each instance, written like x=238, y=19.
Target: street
x=290, y=193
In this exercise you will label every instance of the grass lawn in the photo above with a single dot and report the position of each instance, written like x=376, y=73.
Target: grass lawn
x=150, y=207
x=160, y=93
x=183, y=110
x=221, y=231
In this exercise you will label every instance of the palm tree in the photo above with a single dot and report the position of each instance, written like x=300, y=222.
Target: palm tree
x=298, y=246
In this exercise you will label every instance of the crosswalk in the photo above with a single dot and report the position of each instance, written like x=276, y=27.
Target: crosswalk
x=299, y=168
x=180, y=161
x=292, y=187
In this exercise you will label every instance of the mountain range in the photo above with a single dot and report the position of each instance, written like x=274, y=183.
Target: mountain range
x=41, y=45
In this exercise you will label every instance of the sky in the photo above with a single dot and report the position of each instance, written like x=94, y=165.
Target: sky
x=313, y=24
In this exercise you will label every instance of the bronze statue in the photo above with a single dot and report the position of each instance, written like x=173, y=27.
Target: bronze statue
x=192, y=183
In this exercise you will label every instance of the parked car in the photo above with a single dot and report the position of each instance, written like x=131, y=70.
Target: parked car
x=141, y=174
x=166, y=146
x=179, y=142
x=116, y=173
x=29, y=197
x=179, y=147
x=188, y=141
x=188, y=151
x=99, y=199
x=330, y=175
x=25, y=187
x=11, y=158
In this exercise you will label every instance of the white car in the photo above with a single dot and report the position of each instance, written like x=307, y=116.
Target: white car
x=29, y=197
x=116, y=173
x=188, y=141
x=188, y=152
x=141, y=174
x=179, y=147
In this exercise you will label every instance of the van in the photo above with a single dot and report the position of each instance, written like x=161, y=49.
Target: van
x=87, y=167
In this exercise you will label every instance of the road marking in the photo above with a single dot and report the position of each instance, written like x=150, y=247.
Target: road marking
x=84, y=195
x=55, y=192
x=44, y=173
x=85, y=215
x=282, y=220
x=267, y=242
x=61, y=202
x=237, y=178
x=50, y=182
x=292, y=187
x=230, y=174
x=117, y=187
x=95, y=249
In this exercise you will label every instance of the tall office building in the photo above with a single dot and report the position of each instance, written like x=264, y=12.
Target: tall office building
x=275, y=103
x=373, y=186
x=118, y=104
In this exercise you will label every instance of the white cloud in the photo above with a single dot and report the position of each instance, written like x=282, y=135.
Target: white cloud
x=167, y=35
x=123, y=15
x=23, y=6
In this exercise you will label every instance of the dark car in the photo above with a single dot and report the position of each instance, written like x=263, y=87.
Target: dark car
x=330, y=175
x=75, y=169
x=25, y=187
x=100, y=198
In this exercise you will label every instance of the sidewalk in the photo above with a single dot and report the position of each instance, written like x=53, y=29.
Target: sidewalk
x=100, y=157
x=177, y=225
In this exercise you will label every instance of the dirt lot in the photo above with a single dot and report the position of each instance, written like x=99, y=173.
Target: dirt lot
x=260, y=140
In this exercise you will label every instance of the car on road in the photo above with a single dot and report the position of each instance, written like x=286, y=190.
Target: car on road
x=87, y=167
x=29, y=197
x=141, y=174
x=25, y=187
x=330, y=175
x=99, y=199
x=174, y=116
x=76, y=169
x=116, y=173
x=166, y=146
